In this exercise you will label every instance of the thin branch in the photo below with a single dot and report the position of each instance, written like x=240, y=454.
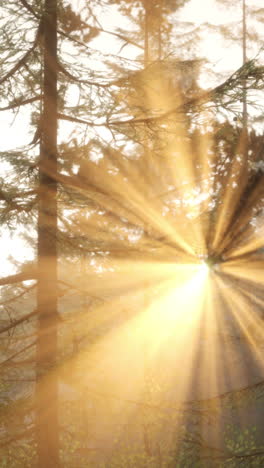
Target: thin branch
x=17, y=322
x=119, y=36
x=19, y=102
x=3, y=363
x=75, y=119
x=29, y=8
x=13, y=205
x=82, y=291
x=72, y=39
x=23, y=60
x=18, y=65
x=17, y=278
x=14, y=298
x=17, y=195
x=82, y=44
x=78, y=80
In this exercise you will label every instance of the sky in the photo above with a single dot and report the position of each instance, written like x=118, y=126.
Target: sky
x=198, y=12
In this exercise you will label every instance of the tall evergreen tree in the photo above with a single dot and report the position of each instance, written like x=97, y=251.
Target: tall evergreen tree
x=47, y=424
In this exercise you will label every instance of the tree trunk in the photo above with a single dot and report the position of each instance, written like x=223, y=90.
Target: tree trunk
x=146, y=156
x=146, y=34
x=244, y=47
x=47, y=434
x=245, y=112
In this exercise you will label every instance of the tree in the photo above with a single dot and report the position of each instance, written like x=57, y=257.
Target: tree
x=47, y=334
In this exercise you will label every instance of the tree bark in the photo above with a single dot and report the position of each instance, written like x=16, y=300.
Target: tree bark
x=47, y=428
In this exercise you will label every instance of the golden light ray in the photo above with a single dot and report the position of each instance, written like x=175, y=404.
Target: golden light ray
x=208, y=362
x=177, y=310
x=179, y=155
x=244, y=317
x=248, y=244
x=216, y=363
x=133, y=199
x=205, y=159
x=250, y=270
x=231, y=193
x=130, y=283
x=248, y=356
x=253, y=296
x=149, y=281
x=236, y=355
x=206, y=370
x=173, y=137
x=154, y=338
x=119, y=275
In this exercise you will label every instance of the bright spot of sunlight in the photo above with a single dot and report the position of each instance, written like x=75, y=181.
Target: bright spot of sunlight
x=204, y=268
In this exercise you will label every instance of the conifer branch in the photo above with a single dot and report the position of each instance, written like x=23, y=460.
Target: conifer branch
x=23, y=60
x=20, y=102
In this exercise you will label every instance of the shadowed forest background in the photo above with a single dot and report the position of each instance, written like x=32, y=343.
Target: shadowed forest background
x=132, y=189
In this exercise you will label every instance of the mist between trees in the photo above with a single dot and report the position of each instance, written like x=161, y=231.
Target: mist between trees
x=132, y=334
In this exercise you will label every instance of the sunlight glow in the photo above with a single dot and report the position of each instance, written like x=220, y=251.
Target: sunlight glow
x=204, y=268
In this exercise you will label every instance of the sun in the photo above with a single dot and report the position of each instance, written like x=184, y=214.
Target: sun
x=204, y=268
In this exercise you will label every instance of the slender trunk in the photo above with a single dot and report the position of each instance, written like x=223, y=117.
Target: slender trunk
x=159, y=43
x=146, y=35
x=146, y=160
x=244, y=46
x=47, y=434
x=245, y=112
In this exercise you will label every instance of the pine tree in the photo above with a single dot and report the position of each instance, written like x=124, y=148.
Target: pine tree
x=47, y=425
